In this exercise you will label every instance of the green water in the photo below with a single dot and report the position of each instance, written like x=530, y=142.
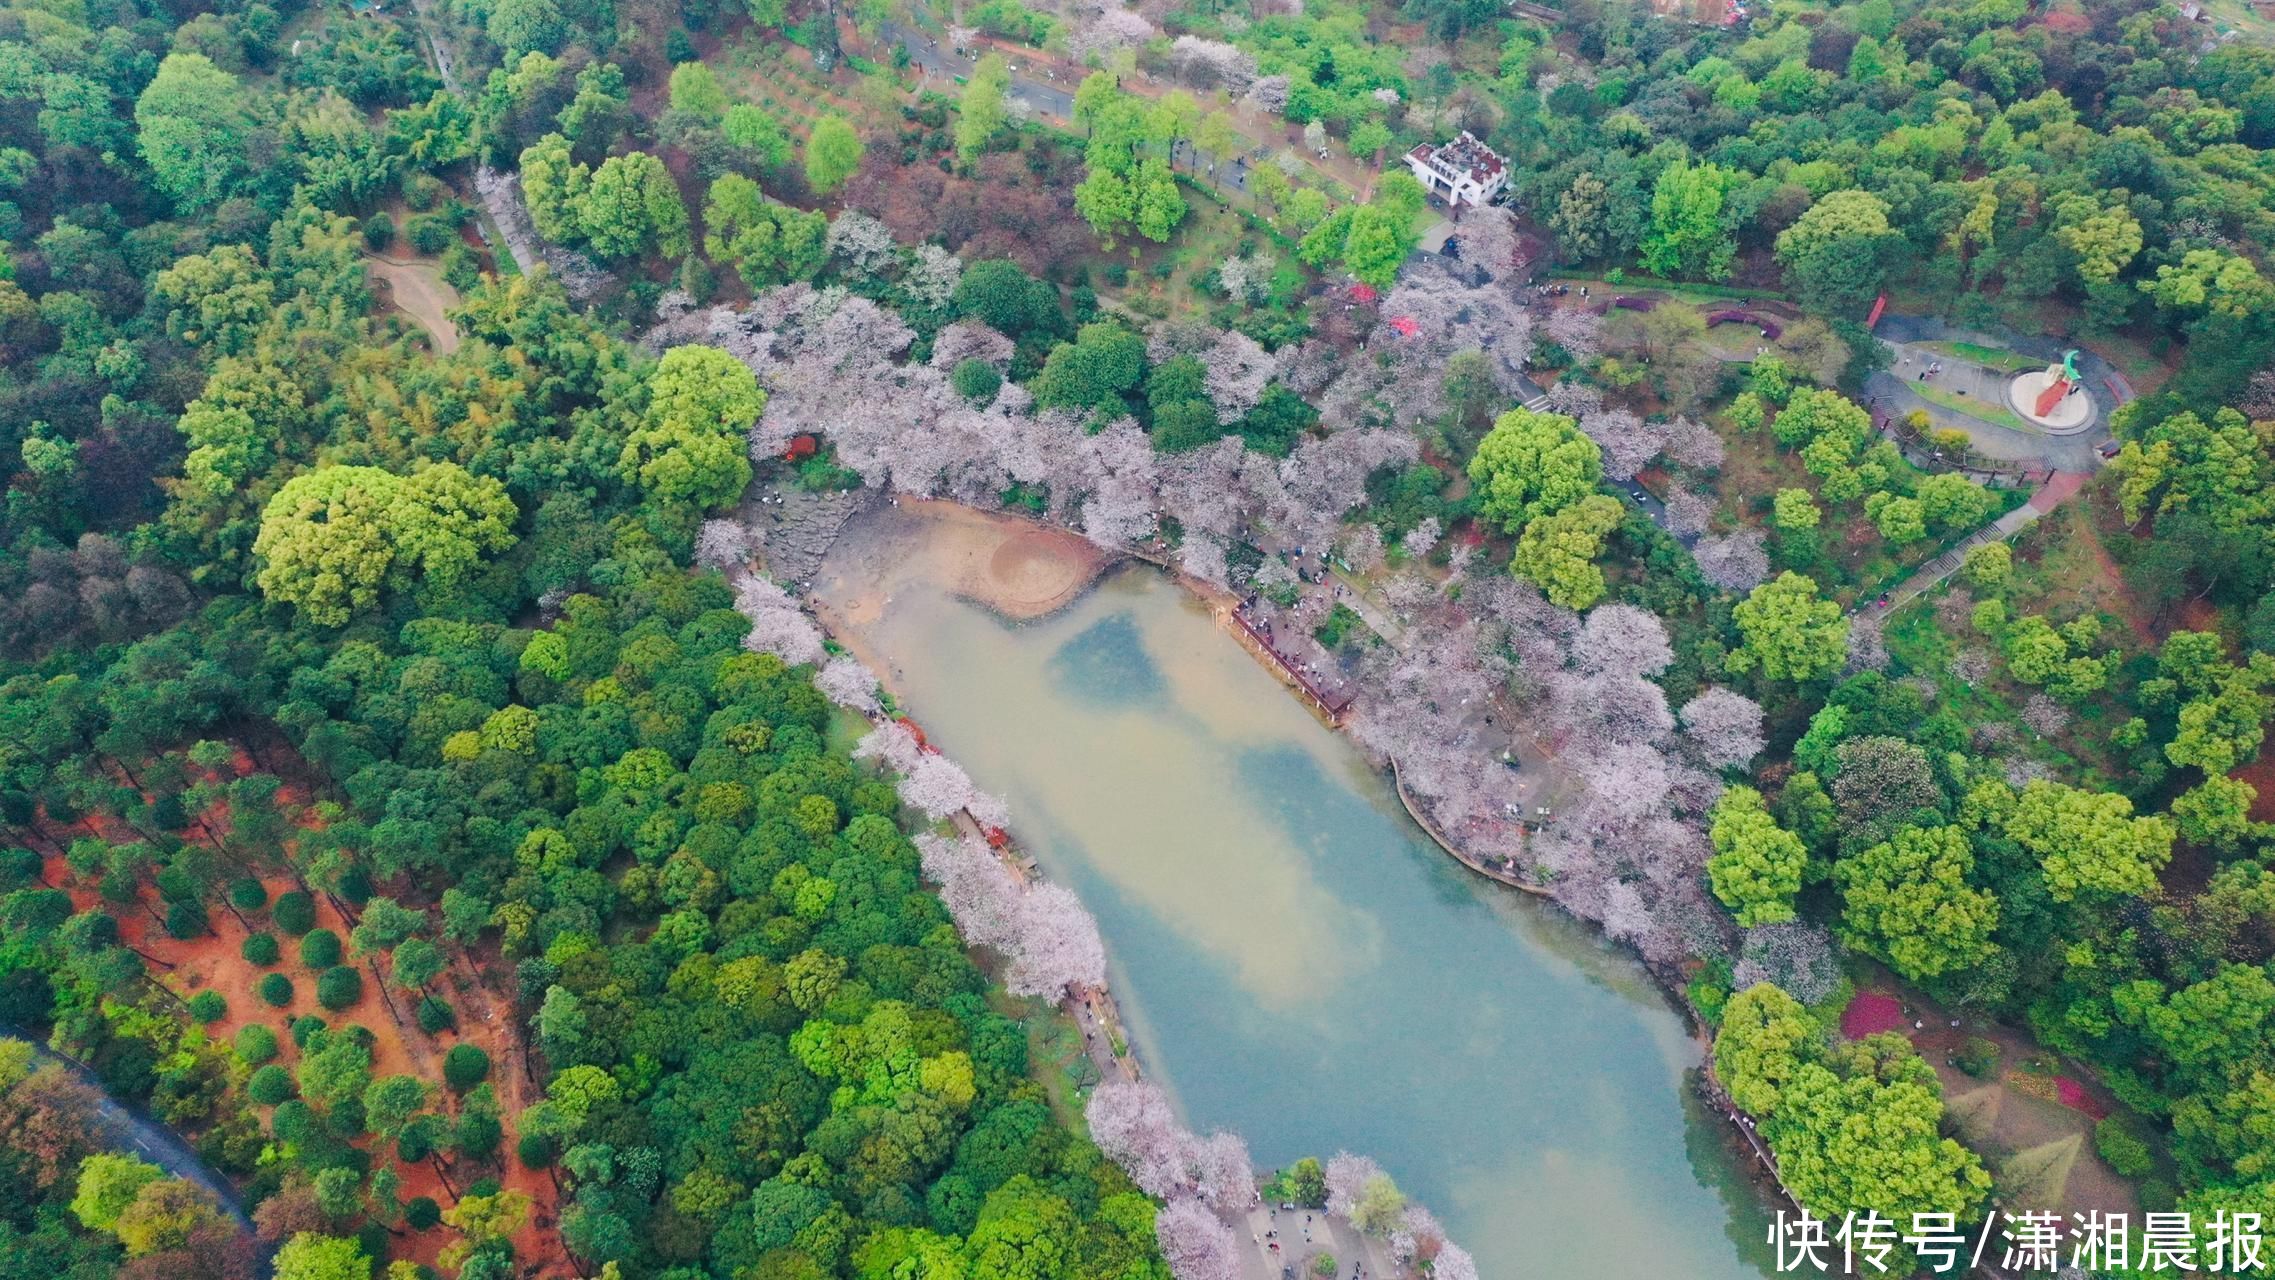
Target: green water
x=1300, y=964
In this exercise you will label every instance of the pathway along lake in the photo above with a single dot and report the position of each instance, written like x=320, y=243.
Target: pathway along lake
x=1297, y=961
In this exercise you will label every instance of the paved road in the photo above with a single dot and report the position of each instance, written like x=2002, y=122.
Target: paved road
x=1048, y=97
x=126, y=1128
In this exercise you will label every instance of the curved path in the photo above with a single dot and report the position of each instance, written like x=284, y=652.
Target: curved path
x=127, y=1128
x=1892, y=391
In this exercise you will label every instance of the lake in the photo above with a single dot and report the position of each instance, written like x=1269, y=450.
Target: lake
x=1295, y=959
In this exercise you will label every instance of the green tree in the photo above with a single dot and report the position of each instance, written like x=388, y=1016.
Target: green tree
x=107, y=1185
x=1532, y=464
x=766, y=242
x=1835, y=252
x=833, y=153
x=1951, y=502
x=1795, y=510
x=695, y=91
x=1789, y=632
x=1850, y=1145
x=523, y=26
x=192, y=122
x=688, y=448
x=1757, y=864
x=333, y=539
x=1558, y=550
x=2215, y=812
x=982, y=112
x=165, y=1216
x=1159, y=205
x=756, y=133
x=2088, y=841
x=309, y=1256
x=1908, y=902
x=632, y=206
x=1988, y=566
x=1900, y=520
x=1689, y=233
x=1764, y=1038
x=1094, y=371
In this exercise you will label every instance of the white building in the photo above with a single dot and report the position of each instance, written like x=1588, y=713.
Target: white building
x=1463, y=171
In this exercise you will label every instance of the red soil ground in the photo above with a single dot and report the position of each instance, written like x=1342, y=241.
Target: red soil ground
x=481, y=1000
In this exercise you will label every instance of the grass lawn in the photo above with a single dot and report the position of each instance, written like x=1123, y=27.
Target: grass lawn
x=1974, y=407
x=1163, y=278
x=1989, y=357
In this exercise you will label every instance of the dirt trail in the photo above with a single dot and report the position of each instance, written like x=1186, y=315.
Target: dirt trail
x=417, y=289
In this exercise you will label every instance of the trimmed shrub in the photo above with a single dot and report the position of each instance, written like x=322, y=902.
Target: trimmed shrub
x=2122, y=1148
x=259, y=948
x=422, y=1212
x=1978, y=1056
x=476, y=1136
x=536, y=1150
x=304, y=1026
x=248, y=894
x=378, y=232
x=340, y=987
x=276, y=989
x=209, y=1006
x=320, y=949
x=412, y=1145
x=465, y=1066
x=185, y=920
x=435, y=1016
x=295, y=912
x=256, y=1044
x=430, y=233
x=270, y=1085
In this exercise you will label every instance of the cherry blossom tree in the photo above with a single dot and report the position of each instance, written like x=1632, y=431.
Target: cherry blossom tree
x=1209, y=64
x=1628, y=442
x=1488, y=237
x=1347, y=1177
x=1693, y=444
x=1725, y=727
x=932, y=276
x=1134, y=1125
x=1797, y=956
x=970, y=340
x=862, y=243
x=1453, y=1263
x=1058, y=947
x=1416, y=1235
x=844, y=681
x=720, y=544
x=1421, y=538
x=1576, y=329
x=1236, y=371
x=1196, y=1243
x=777, y=625
x=1111, y=30
x=1735, y=562
x=981, y=896
x=1620, y=639
x=1222, y=1172
x=1689, y=513
x=1270, y=94
x=938, y=786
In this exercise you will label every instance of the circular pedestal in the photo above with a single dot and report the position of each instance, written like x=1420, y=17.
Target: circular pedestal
x=2073, y=412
